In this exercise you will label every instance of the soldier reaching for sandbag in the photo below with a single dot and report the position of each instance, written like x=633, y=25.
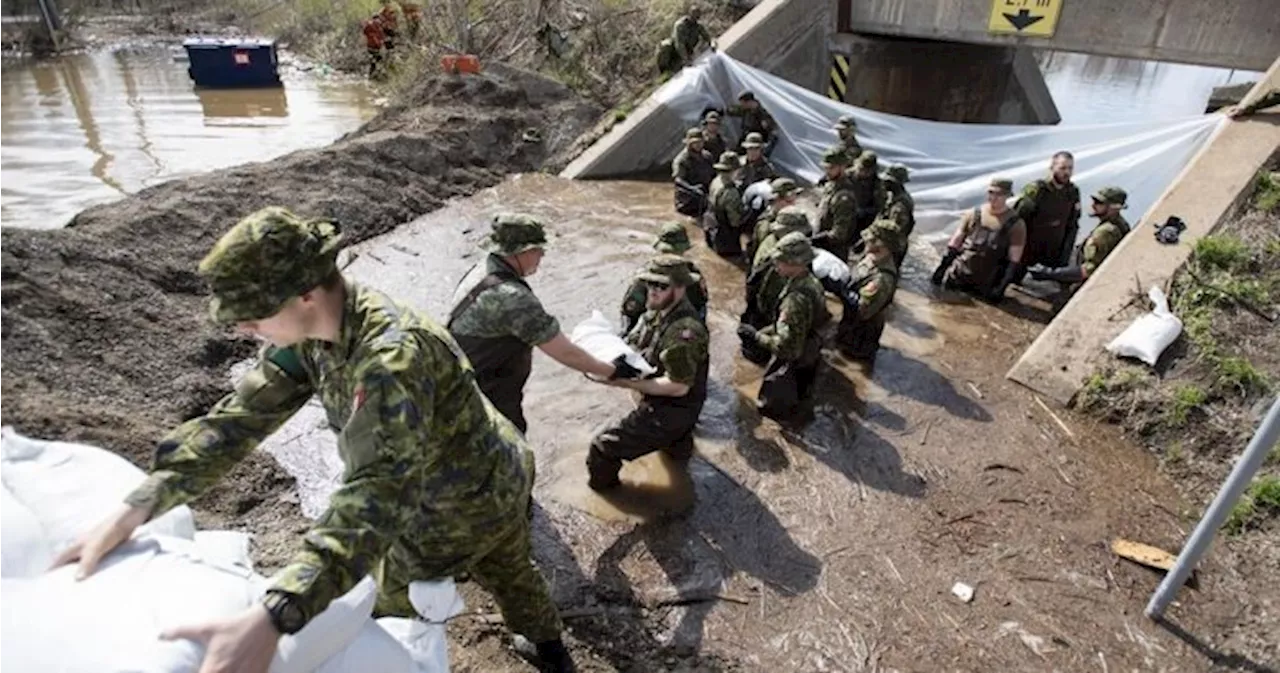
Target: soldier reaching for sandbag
x=437, y=482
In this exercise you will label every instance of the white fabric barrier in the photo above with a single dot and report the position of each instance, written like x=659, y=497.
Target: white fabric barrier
x=950, y=163
x=110, y=622
x=597, y=336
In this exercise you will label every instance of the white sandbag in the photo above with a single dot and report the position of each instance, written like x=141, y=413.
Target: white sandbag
x=110, y=622
x=425, y=638
x=757, y=195
x=828, y=266
x=329, y=632
x=597, y=336
x=373, y=649
x=1148, y=336
x=24, y=549
x=71, y=487
x=224, y=547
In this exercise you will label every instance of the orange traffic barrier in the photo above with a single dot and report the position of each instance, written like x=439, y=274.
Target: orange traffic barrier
x=460, y=63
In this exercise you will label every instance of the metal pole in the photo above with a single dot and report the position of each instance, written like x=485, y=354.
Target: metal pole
x=1265, y=438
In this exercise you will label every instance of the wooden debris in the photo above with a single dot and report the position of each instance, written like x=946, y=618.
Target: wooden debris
x=1070, y=435
x=975, y=390
x=1143, y=554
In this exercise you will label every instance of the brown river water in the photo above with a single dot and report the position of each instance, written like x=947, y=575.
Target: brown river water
x=89, y=128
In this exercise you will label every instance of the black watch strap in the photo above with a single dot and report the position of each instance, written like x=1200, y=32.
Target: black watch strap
x=286, y=614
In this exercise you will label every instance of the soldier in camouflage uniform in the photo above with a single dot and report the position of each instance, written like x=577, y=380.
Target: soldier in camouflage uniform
x=786, y=221
x=869, y=194
x=755, y=119
x=757, y=167
x=785, y=192
x=687, y=35
x=900, y=208
x=987, y=248
x=1111, y=229
x=675, y=341
x=792, y=336
x=498, y=321
x=846, y=128
x=868, y=294
x=712, y=139
x=672, y=240
x=1050, y=208
x=723, y=220
x=837, y=210
x=692, y=171
x=437, y=482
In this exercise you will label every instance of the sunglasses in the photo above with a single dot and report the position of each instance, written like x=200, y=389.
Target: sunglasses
x=655, y=285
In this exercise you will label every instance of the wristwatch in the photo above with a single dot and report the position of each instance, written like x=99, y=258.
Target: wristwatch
x=286, y=614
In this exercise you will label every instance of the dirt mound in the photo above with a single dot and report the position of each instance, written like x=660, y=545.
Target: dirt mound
x=104, y=334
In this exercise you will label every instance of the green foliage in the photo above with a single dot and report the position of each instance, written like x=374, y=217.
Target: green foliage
x=1240, y=374
x=1222, y=252
x=1185, y=398
x=1261, y=500
x=1266, y=191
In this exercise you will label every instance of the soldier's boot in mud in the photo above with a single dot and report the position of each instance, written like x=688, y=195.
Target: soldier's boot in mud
x=548, y=657
x=602, y=471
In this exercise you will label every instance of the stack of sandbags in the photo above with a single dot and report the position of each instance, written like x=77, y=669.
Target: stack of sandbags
x=168, y=575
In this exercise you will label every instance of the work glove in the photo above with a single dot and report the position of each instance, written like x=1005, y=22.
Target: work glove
x=1065, y=274
x=747, y=333
x=623, y=370
x=941, y=271
x=1015, y=269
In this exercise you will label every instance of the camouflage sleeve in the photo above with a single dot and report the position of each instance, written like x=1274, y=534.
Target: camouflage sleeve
x=734, y=111
x=633, y=303
x=521, y=314
x=880, y=196
x=680, y=169
x=381, y=444
x=1028, y=201
x=766, y=120
x=875, y=295
x=1096, y=248
x=684, y=350
x=785, y=338
x=1267, y=100
x=196, y=454
x=843, y=212
x=703, y=35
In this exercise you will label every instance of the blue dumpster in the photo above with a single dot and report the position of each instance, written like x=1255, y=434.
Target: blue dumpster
x=232, y=62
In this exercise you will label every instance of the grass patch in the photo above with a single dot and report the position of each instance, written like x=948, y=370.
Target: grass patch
x=1221, y=252
x=1240, y=374
x=1260, y=500
x=1185, y=399
x=1266, y=191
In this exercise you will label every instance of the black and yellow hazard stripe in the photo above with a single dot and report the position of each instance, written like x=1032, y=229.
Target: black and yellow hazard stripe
x=839, y=80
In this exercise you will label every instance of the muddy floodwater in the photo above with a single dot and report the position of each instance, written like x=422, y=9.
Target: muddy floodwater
x=811, y=550
x=89, y=128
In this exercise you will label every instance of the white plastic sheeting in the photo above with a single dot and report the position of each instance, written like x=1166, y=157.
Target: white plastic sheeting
x=950, y=163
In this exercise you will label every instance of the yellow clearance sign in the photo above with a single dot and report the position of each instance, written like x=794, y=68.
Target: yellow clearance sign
x=1030, y=18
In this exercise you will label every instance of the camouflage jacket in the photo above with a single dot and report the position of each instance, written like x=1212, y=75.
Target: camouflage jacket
x=1101, y=241
x=507, y=309
x=851, y=148
x=687, y=34
x=837, y=209
x=755, y=171
x=714, y=145
x=869, y=195
x=693, y=168
x=427, y=460
x=675, y=340
x=801, y=311
x=758, y=120
x=1044, y=204
x=901, y=208
x=876, y=282
x=726, y=202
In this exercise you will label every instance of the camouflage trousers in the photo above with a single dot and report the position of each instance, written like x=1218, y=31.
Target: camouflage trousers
x=502, y=563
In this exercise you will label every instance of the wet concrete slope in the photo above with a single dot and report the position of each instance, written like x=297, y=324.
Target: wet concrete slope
x=834, y=549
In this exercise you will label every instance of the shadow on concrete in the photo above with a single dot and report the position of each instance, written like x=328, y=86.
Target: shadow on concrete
x=1224, y=660
x=906, y=376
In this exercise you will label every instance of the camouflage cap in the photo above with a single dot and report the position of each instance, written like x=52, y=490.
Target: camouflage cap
x=784, y=187
x=692, y=134
x=672, y=239
x=834, y=156
x=746, y=95
x=1112, y=196
x=729, y=161
x=898, y=173
x=867, y=159
x=794, y=248
x=846, y=122
x=712, y=117
x=885, y=232
x=791, y=219
x=669, y=270
x=513, y=233
x=1004, y=185
x=265, y=260
x=753, y=139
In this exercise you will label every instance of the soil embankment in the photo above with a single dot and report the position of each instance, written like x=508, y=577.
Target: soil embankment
x=105, y=339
